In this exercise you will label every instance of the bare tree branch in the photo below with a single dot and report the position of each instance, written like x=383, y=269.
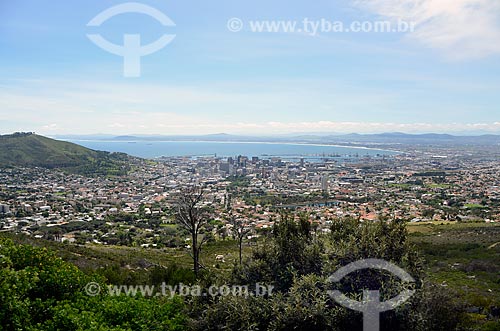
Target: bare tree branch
x=193, y=216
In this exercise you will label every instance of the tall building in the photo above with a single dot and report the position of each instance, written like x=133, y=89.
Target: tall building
x=4, y=209
x=224, y=167
x=324, y=184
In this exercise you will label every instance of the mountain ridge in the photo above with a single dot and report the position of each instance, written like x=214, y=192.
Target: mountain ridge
x=31, y=150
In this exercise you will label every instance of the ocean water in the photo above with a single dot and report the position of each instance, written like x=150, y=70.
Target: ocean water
x=154, y=149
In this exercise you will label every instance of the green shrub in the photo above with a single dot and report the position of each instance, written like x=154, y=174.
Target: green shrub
x=39, y=291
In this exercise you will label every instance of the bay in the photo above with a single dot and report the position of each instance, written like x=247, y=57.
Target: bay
x=155, y=149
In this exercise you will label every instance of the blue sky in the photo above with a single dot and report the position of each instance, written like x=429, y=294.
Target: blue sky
x=442, y=77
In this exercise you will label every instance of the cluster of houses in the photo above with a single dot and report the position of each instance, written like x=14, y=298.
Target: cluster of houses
x=137, y=208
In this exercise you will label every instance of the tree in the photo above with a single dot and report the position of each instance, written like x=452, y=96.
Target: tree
x=298, y=263
x=193, y=216
x=289, y=250
x=239, y=230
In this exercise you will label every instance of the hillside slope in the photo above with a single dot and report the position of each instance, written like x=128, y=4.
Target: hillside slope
x=31, y=150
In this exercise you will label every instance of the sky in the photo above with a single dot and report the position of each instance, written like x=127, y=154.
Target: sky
x=217, y=76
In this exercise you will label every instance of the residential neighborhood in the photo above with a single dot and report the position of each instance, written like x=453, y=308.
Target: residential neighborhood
x=137, y=210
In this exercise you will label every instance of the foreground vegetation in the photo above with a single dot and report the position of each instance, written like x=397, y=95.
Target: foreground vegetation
x=40, y=291
x=464, y=258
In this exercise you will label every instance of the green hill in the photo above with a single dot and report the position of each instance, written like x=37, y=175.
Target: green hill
x=31, y=150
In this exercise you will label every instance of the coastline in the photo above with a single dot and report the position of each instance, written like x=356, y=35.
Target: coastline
x=288, y=143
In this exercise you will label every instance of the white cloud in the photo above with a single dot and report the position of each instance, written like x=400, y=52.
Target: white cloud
x=54, y=107
x=79, y=107
x=460, y=28
x=50, y=127
x=362, y=127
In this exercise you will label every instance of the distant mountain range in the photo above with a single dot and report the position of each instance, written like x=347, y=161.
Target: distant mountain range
x=31, y=150
x=353, y=138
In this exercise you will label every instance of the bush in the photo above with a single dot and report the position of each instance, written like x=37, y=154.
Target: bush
x=299, y=264
x=39, y=291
